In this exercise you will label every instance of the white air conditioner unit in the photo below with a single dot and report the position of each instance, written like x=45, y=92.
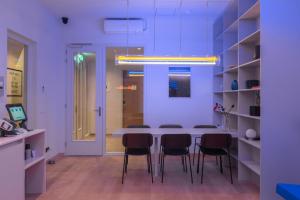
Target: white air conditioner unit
x=118, y=26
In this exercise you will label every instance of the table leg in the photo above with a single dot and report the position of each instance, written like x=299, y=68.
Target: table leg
x=156, y=155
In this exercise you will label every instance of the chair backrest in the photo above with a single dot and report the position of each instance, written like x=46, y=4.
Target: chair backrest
x=170, y=126
x=137, y=140
x=205, y=126
x=174, y=141
x=216, y=140
x=138, y=126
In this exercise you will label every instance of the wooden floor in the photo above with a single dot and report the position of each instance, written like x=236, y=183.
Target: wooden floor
x=99, y=178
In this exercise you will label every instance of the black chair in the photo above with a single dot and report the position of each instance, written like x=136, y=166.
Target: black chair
x=216, y=145
x=170, y=126
x=137, y=144
x=198, y=138
x=175, y=145
x=138, y=126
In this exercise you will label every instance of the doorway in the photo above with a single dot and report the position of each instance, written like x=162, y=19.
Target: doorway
x=16, y=73
x=84, y=113
x=124, y=95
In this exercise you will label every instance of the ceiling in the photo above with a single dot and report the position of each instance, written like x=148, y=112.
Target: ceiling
x=136, y=8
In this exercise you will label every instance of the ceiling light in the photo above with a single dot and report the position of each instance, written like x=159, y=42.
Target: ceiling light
x=165, y=60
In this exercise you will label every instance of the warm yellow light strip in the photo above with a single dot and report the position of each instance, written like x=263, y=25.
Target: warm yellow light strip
x=209, y=60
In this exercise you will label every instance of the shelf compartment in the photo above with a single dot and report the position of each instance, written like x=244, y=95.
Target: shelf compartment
x=232, y=69
x=249, y=116
x=251, y=38
x=253, y=12
x=246, y=74
x=253, y=166
x=253, y=63
x=254, y=143
x=31, y=162
x=246, y=7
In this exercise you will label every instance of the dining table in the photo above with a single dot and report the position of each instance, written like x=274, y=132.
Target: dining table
x=158, y=132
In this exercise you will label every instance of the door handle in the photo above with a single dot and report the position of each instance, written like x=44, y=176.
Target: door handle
x=98, y=110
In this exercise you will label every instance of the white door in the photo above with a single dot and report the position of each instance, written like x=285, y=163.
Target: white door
x=84, y=102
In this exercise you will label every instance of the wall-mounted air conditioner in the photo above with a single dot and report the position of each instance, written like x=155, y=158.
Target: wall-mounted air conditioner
x=122, y=25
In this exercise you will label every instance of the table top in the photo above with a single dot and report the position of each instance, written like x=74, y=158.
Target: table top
x=161, y=131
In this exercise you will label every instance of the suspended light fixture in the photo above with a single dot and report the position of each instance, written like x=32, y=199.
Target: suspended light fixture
x=165, y=60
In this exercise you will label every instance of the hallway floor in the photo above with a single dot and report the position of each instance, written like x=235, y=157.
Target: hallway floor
x=94, y=178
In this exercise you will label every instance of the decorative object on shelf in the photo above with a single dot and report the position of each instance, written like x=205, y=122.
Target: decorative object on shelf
x=256, y=54
x=250, y=84
x=218, y=108
x=234, y=85
x=251, y=134
x=255, y=110
x=27, y=151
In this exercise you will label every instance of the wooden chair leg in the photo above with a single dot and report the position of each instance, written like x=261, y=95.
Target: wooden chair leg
x=202, y=168
x=124, y=163
x=150, y=161
x=191, y=168
x=221, y=165
x=230, y=168
x=198, y=161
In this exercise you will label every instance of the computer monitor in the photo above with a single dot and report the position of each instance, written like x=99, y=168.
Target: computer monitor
x=17, y=113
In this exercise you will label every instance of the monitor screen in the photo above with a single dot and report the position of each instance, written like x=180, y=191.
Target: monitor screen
x=16, y=112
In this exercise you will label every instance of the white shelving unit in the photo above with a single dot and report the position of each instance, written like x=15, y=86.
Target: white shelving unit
x=237, y=33
x=26, y=177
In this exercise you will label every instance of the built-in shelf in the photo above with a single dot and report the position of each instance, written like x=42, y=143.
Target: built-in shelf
x=234, y=47
x=252, y=13
x=218, y=92
x=31, y=162
x=232, y=69
x=253, y=63
x=253, y=166
x=251, y=38
x=232, y=27
x=249, y=90
x=254, y=143
x=249, y=116
x=219, y=74
x=230, y=91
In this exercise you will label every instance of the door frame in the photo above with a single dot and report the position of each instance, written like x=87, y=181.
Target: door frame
x=80, y=149
x=104, y=46
x=31, y=75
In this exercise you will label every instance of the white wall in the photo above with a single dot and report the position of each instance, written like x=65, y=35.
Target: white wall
x=31, y=20
x=196, y=40
x=280, y=136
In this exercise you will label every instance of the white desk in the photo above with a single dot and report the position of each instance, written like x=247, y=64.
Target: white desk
x=158, y=132
x=17, y=175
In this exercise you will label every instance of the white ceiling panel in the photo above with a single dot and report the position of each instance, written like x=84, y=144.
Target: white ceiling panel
x=137, y=8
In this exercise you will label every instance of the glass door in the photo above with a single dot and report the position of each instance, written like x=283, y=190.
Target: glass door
x=84, y=113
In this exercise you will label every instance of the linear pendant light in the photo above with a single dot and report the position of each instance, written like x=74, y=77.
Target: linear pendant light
x=165, y=60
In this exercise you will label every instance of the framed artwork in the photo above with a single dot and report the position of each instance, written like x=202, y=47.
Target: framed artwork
x=179, y=82
x=14, y=83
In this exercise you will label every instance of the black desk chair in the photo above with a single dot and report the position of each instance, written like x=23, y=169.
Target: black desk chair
x=215, y=145
x=138, y=126
x=137, y=144
x=197, y=143
x=175, y=145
